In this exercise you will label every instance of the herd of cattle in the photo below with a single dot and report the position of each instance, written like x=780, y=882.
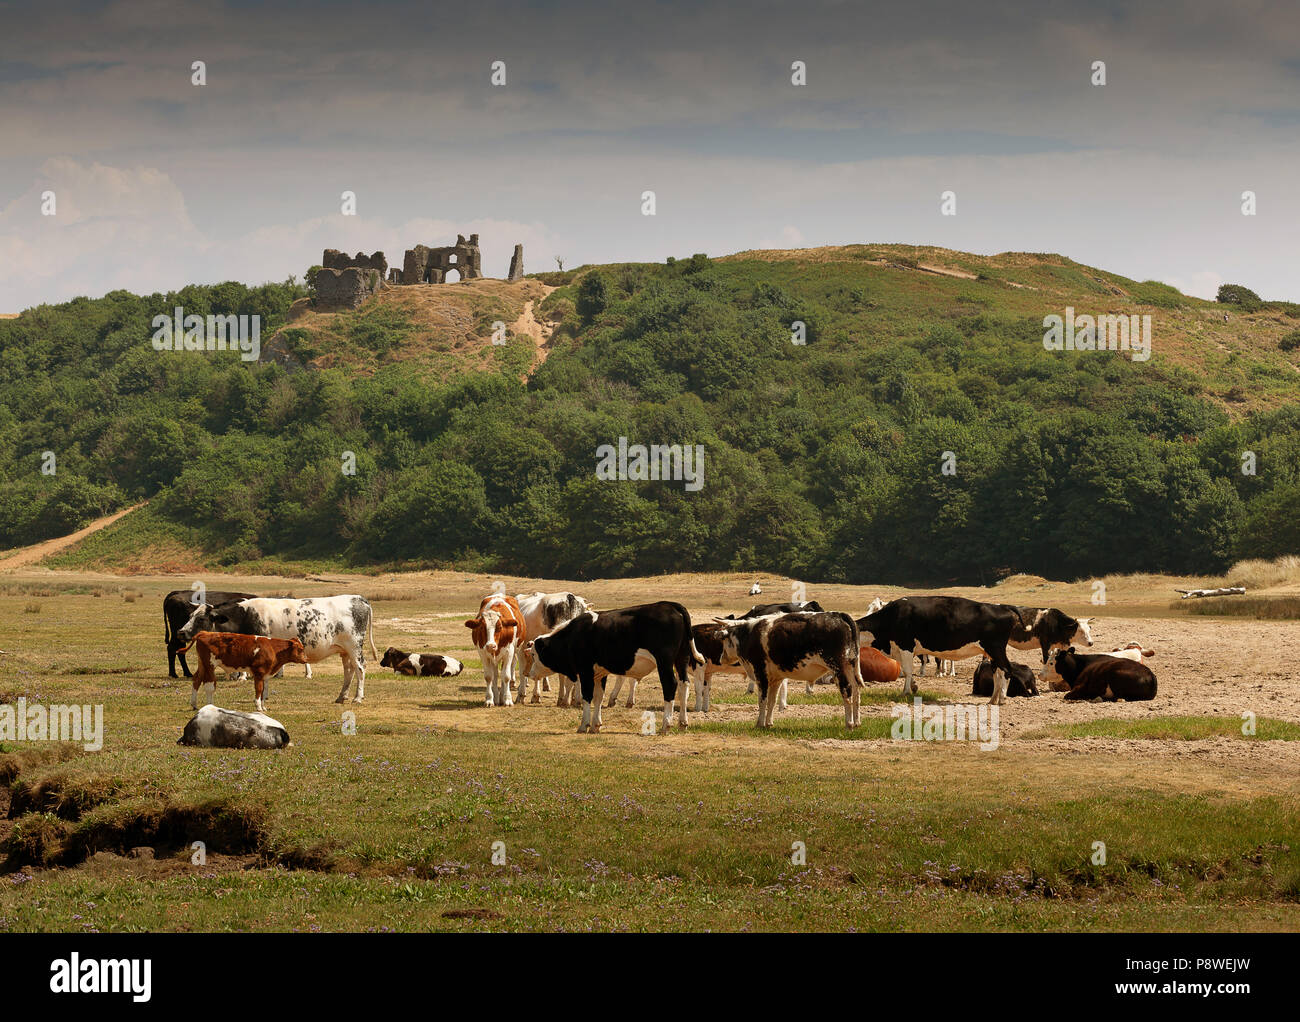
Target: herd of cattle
x=534, y=637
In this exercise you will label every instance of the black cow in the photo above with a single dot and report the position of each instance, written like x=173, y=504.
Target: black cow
x=951, y=627
x=766, y=609
x=1022, y=681
x=803, y=646
x=1048, y=629
x=600, y=643
x=1099, y=676
x=177, y=608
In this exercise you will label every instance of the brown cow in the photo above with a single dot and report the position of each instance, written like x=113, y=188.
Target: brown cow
x=499, y=634
x=256, y=654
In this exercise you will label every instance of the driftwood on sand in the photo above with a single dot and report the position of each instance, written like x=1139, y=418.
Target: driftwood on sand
x=1192, y=594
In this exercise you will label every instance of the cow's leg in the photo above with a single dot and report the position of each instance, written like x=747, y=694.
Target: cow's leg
x=904, y=658
x=194, y=693
x=1001, y=672
x=631, y=693
x=700, y=676
x=347, y=682
x=546, y=687
x=667, y=682
x=259, y=689
x=586, y=683
x=615, y=689
x=359, y=668
x=489, y=676
x=598, y=697
x=783, y=692
x=508, y=671
x=750, y=690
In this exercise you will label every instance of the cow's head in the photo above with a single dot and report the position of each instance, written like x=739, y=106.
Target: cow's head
x=296, y=654
x=392, y=656
x=1082, y=632
x=545, y=655
x=1050, y=674
x=1024, y=674
x=202, y=619
x=731, y=633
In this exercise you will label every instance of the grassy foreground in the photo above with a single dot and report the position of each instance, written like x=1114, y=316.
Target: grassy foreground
x=397, y=825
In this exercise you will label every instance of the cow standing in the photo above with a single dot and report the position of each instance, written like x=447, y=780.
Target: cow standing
x=802, y=646
x=178, y=605
x=499, y=634
x=597, y=644
x=326, y=626
x=951, y=627
x=256, y=654
x=542, y=614
x=1046, y=628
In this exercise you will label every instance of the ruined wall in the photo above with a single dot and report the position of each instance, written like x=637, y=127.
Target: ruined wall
x=517, y=264
x=333, y=259
x=425, y=265
x=346, y=289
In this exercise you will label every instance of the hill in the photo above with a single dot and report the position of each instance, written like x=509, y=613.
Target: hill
x=920, y=434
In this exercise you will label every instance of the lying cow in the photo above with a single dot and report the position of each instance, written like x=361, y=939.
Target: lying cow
x=423, y=665
x=177, y=608
x=595, y=645
x=215, y=728
x=542, y=614
x=326, y=626
x=256, y=654
x=876, y=667
x=498, y=632
x=1021, y=683
x=1101, y=676
x=802, y=646
x=951, y=627
x=1133, y=651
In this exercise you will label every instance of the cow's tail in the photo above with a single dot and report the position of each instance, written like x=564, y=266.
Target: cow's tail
x=370, y=631
x=167, y=628
x=185, y=649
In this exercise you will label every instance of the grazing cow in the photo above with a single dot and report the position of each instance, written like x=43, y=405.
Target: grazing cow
x=708, y=640
x=215, y=728
x=1101, y=676
x=1048, y=628
x=177, y=608
x=951, y=627
x=802, y=646
x=1021, y=682
x=424, y=665
x=597, y=644
x=499, y=634
x=543, y=613
x=326, y=626
x=532, y=670
x=254, y=653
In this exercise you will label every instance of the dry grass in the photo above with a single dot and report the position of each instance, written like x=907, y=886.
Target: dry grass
x=1264, y=574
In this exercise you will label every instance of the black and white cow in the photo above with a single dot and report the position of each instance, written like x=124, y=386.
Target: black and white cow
x=767, y=609
x=421, y=665
x=178, y=605
x=803, y=646
x=708, y=640
x=1048, y=628
x=951, y=627
x=599, y=643
x=326, y=626
x=215, y=728
x=1021, y=683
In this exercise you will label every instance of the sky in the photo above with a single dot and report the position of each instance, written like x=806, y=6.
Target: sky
x=159, y=182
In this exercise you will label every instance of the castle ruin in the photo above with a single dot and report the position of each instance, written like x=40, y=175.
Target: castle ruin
x=347, y=281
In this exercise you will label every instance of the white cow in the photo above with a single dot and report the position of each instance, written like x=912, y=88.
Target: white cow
x=543, y=613
x=326, y=625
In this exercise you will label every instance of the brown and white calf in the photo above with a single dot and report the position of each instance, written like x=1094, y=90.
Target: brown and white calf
x=499, y=635
x=423, y=665
x=257, y=654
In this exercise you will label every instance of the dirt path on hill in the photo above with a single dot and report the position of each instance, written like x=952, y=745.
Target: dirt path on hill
x=29, y=555
x=528, y=325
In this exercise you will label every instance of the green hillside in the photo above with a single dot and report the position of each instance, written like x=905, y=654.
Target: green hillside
x=922, y=434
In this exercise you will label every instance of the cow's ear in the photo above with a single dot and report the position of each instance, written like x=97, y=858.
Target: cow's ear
x=469, y=624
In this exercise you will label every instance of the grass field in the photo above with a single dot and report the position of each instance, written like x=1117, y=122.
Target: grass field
x=397, y=825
